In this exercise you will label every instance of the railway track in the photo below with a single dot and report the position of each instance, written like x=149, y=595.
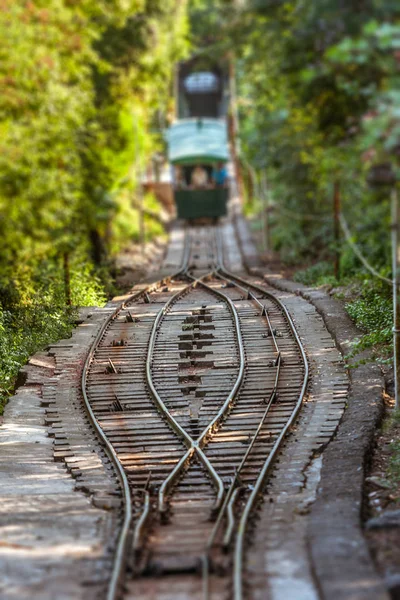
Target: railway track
x=192, y=385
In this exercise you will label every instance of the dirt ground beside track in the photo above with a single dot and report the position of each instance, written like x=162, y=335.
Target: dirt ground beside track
x=135, y=264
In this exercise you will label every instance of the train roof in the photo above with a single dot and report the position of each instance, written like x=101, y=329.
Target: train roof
x=198, y=140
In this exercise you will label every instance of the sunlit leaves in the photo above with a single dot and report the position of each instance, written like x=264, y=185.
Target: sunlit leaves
x=64, y=140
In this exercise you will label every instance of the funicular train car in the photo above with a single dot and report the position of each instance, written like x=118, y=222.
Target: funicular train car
x=198, y=152
x=198, y=149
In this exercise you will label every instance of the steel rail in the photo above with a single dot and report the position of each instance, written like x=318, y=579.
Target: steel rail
x=246, y=455
x=250, y=296
x=138, y=533
x=225, y=407
x=249, y=449
x=123, y=540
x=169, y=481
x=239, y=547
x=190, y=443
x=227, y=404
x=194, y=446
x=231, y=518
x=123, y=543
x=232, y=492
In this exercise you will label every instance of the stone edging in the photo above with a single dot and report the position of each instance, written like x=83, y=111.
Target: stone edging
x=342, y=564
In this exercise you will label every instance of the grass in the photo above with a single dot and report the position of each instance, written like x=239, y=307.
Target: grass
x=39, y=317
x=369, y=306
x=319, y=274
x=372, y=312
x=24, y=331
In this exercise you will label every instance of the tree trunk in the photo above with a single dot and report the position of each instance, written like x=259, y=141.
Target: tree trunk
x=336, y=228
x=97, y=247
x=396, y=292
x=233, y=127
x=67, y=279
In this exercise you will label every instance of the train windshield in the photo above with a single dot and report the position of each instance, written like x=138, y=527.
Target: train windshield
x=202, y=82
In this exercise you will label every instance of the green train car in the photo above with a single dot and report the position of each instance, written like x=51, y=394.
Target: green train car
x=197, y=150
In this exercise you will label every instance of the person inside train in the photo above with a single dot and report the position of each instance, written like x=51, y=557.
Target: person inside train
x=220, y=175
x=180, y=181
x=199, y=177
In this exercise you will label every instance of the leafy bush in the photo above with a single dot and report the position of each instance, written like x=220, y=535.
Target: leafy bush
x=86, y=287
x=318, y=274
x=25, y=331
x=371, y=310
x=373, y=313
x=38, y=315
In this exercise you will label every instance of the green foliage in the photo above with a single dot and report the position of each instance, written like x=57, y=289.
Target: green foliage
x=38, y=316
x=23, y=332
x=81, y=85
x=372, y=312
x=319, y=274
x=318, y=97
x=87, y=288
x=208, y=19
x=371, y=307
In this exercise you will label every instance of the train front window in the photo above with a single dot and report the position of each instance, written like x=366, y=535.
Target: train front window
x=193, y=177
x=202, y=82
